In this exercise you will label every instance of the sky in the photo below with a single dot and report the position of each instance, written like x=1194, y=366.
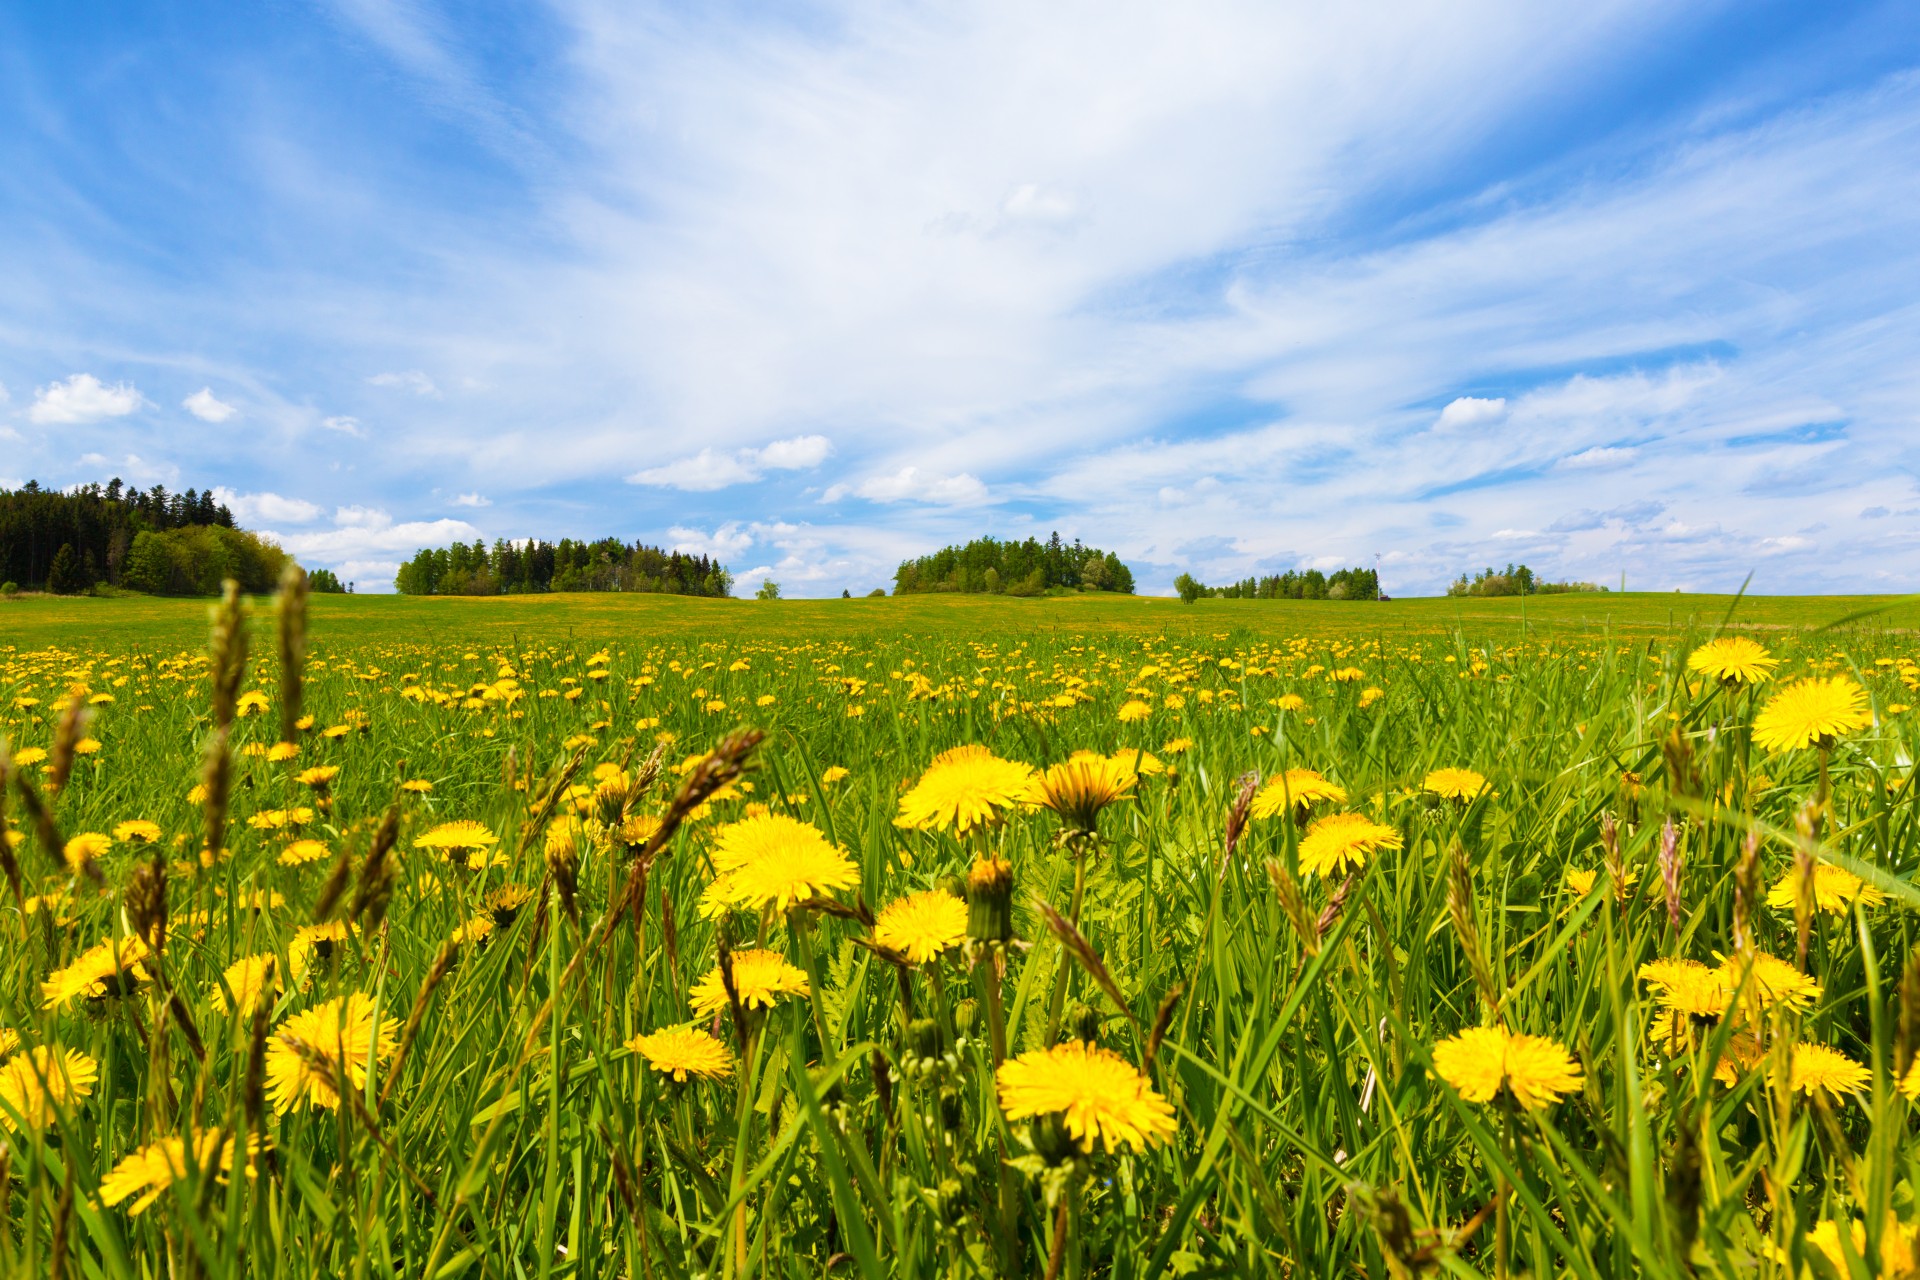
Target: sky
x=1626, y=291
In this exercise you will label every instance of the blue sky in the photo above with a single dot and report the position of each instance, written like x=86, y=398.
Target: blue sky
x=1230, y=288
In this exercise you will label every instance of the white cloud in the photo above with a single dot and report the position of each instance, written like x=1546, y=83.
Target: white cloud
x=252, y=508
x=357, y=517
x=1469, y=411
x=911, y=484
x=83, y=398
x=344, y=425
x=1599, y=456
x=710, y=469
x=412, y=380
x=725, y=543
x=472, y=500
x=203, y=405
x=366, y=545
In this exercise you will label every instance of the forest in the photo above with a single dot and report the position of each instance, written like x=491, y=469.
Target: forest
x=73, y=541
x=1028, y=568
x=1341, y=584
x=531, y=565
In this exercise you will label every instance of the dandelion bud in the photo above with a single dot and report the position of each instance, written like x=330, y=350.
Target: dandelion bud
x=1051, y=1141
x=1083, y=1023
x=990, y=901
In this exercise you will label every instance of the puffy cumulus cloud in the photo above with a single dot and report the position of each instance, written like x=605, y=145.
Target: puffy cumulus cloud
x=366, y=544
x=727, y=542
x=1470, y=411
x=255, y=508
x=472, y=500
x=911, y=484
x=83, y=398
x=207, y=407
x=412, y=380
x=712, y=469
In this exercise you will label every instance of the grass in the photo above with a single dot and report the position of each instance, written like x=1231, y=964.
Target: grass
x=1288, y=1019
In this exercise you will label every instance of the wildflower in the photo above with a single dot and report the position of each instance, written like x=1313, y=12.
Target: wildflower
x=319, y=777
x=301, y=852
x=1480, y=1060
x=1290, y=702
x=1078, y=790
x=1297, y=790
x=461, y=836
x=36, y=1085
x=1811, y=712
x=1178, y=746
x=158, y=1165
x=137, y=831
x=506, y=902
x=84, y=848
x=1134, y=709
x=281, y=752
x=1341, y=840
x=684, y=1051
x=252, y=703
x=1101, y=1097
x=1774, y=982
x=1733, y=661
x=1835, y=889
x=771, y=860
x=27, y=757
x=1688, y=988
x=309, y=1051
x=247, y=978
x=315, y=942
x=759, y=977
x=963, y=789
x=417, y=786
x=476, y=930
x=272, y=819
x=1454, y=784
x=86, y=747
x=922, y=925
x=1142, y=763
x=1818, y=1069
x=1580, y=881
x=835, y=773
x=1899, y=1247
x=111, y=968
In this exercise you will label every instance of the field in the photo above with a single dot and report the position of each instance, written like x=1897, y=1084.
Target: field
x=596, y=936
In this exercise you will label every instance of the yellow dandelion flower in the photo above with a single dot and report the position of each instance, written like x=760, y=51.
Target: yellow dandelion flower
x=1580, y=881
x=85, y=847
x=1732, y=660
x=1835, y=890
x=137, y=831
x=319, y=777
x=684, y=1051
x=964, y=788
x=155, y=1167
x=1296, y=790
x=111, y=968
x=759, y=977
x=27, y=757
x=1102, y=1099
x=37, y=1085
x=1688, y=988
x=1775, y=983
x=771, y=860
x=1143, y=763
x=1818, y=1069
x=1079, y=789
x=921, y=926
x=1811, y=712
x=1342, y=840
x=506, y=902
x=1454, y=784
x=1177, y=746
x=247, y=978
x=86, y=747
x=1134, y=709
x=252, y=703
x=1290, y=702
x=314, y=944
x=417, y=786
x=1899, y=1247
x=1480, y=1060
x=277, y=819
x=301, y=852
x=835, y=773
x=308, y=1052
x=281, y=752
x=463, y=835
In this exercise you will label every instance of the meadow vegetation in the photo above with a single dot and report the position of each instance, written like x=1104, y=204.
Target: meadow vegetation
x=957, y=936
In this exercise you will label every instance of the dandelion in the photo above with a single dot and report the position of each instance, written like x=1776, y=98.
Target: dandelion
x=1481, y=1060
x=85, y=848
x=275, y=819
x=964, y=789
x=1688, y=988
x=760, y=978
x=684, y=1051
x=1290, y=702
x=27, y=757
x=463, y=835
x=1774, y=982
x=1454, y=784
x=302, y=852
x=37, y=1085
x=1342, y=840
x=1297, y=790
x=1899, y=1247
x=319, y=777
x=158, y=1165
x=1811, y=712
x=921, y=926
x=111, y=968
x=773, y=861
x=835, y=773
x=1835, y=890
x=315, y=943
x=1580, y=881
x=1134, y=709
x=308, y=1051
x=1100, y=1097
x=137, y=831
x=247, y=979
x=1818, y=1069
x=1733, y=661
x=1078, y=790
x=417, y=787
x=281, y=752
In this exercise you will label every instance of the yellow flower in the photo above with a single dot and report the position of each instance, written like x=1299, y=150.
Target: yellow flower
x=1290, y=702
x=1079, y=789
x=158, y=1165
x=281, y=752
x=274, y=819
x=85, y=847
x=1899, y=1247
x=759, y=977
x=252, y=703
x=835, y=773
x=464, y=834
x=27, y=757
x=319, y=777
x=1134, y=709
x=1811, y=712
x=1580, y=881
x=1298, y=790
x=1454, y=784
x=315, y=942
x=417, y=786
x=684, y=1051
x=137, y=831
x=1775, y=983
x=1143, y=763
x=1101, y=1098
x=1178, y=746
x=111, y=968
x=247, y=978
x=37, y=1085
x=922, y=925
x=1732, y=660
x=771, y=860
x=1818, y=1069
x=1342, y=840
x=964, y=788
x=309, y=1050
x=1835, y=890
x=86, y=747
x=301, y=852
x=1480, y=1060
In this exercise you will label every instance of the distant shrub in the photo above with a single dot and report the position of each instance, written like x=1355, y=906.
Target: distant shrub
x=326, y=582
x=9, y=588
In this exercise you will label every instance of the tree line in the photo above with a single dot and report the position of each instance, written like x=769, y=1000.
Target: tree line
x=1514, y=580
x=520, y=567
x=71, y=541
x=1341, y=584
x=1028, y=568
